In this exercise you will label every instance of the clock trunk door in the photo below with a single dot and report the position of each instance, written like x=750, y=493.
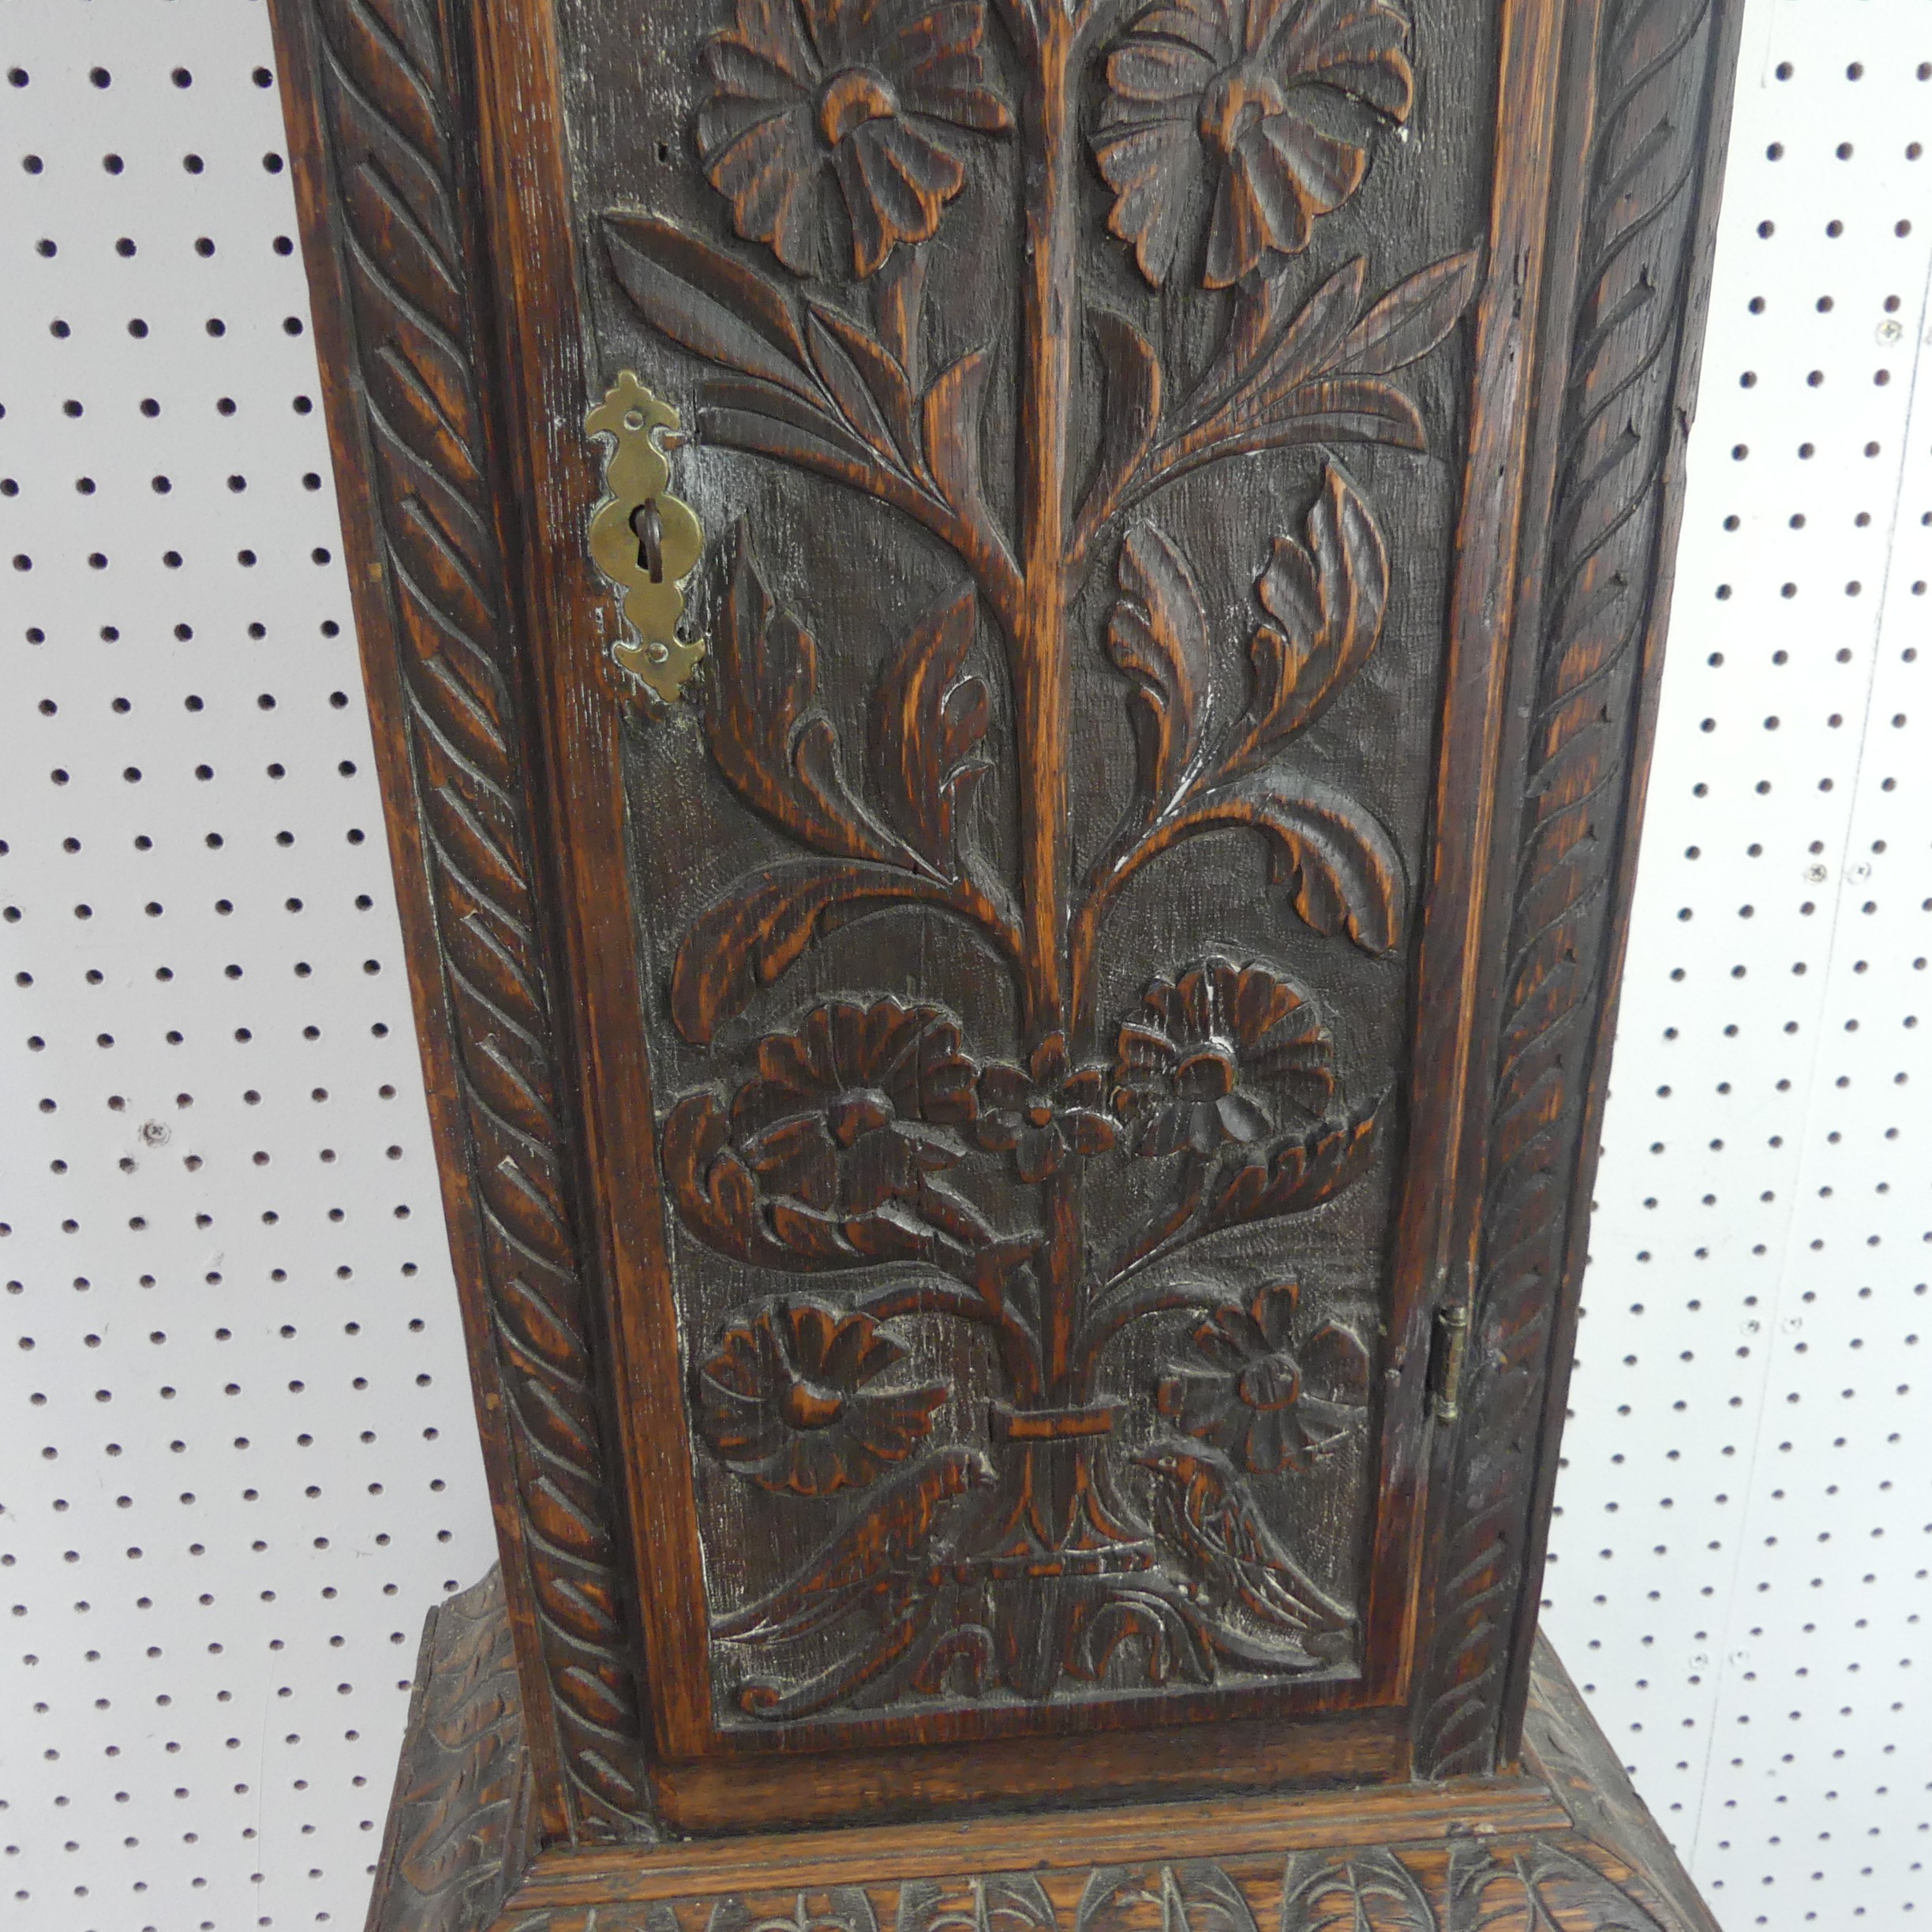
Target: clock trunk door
x=1033, y=435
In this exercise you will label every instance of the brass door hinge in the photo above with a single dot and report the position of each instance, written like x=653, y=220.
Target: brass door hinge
x=1448, y=1351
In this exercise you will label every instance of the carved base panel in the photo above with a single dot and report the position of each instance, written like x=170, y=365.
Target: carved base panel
x=1564, y=1846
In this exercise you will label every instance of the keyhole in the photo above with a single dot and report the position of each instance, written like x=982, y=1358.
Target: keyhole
x=647, y=526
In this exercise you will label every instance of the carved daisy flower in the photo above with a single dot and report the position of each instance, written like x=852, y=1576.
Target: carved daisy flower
x=840, y=1116
x=859, y=95
x=789, y=1400
x=1248, y=99
x=1269, y=1402
x=1221, y=1054
x=1044, y=1112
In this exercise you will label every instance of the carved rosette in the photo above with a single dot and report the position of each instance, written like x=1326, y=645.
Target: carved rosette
x=869, y=100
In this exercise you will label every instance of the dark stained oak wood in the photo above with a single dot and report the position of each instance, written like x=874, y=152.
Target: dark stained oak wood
x=968, y=1134
x=394, y=255
x=1567, y=1844
x=1595, y=595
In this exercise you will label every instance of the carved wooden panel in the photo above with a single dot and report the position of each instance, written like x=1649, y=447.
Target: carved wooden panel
x=1028, y=979
x=1011, y=638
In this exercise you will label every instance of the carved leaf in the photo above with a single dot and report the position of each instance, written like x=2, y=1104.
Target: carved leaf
x=1210, y=1900
x=888, y=385
x=1374, y=1892
x=1001, y=1903
x=1339, y=865
x=779, y=754
x=1338, y=410
x=1316, y=377
x=1311, y=342
x=1572, y=1894
x=749, y=413
x=1125, y=1899
x=831, y=340
x=814, y=388
x=953, y=407
x=1297, y=1177
x=750, y=937
x=1261, y=305
x=1543, y=1889
x=706, y=302
x=1158, y=635
x=1328, y=596
x=847, y=1908
x=1196, y=1896
x=1414, y=316
x=1132, y=419
x=928, y=720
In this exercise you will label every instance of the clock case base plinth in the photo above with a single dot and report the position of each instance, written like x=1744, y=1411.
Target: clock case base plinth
x=1562, y=1841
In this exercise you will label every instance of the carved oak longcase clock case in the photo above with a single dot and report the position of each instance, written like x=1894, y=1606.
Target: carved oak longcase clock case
x=1012, y=640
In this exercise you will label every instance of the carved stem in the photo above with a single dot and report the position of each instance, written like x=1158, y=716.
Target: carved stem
x=1018, y=1349
x=1106, y=1320
x=1185, y=817
x=1039, y=641
x=1040, y=668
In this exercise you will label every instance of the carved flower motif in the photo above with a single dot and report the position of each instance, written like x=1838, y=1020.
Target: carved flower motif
x=788, y=1400
x=1222, y=1052
x=1267, y=1404
x=840, y=1116
x=1245, y=98
x=808, y=94
x=1041, y=1114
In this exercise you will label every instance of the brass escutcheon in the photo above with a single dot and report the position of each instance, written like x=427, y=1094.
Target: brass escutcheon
x=645, y=540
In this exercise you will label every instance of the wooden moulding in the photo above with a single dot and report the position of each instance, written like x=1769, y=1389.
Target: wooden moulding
x=1564, y=1842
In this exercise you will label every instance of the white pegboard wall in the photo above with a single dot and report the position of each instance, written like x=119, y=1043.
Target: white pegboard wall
x=240, y=1456
x=204, y=1247
x=1740, y=1563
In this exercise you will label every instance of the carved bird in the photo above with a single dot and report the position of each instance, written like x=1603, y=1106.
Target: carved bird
x=1204, y=1513
x=881, y=1553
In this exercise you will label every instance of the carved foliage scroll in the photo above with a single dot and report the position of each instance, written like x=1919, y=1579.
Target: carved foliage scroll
x=454, y=1814
x=1654, y=67
x=385, y=94
x=1536, y=1885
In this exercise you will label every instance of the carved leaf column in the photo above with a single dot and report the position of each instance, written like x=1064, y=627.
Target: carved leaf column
x=1612, y=523
x=433, y=566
